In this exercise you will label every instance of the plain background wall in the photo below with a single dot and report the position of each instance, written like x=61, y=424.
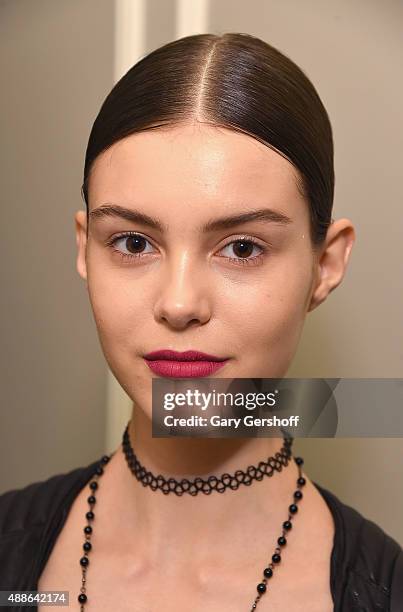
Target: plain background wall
x=55, y=70
x=54, y=373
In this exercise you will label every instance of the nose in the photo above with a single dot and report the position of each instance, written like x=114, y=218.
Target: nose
x=182, y=294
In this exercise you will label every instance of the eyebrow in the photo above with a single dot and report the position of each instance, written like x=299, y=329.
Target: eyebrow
x=267, y=215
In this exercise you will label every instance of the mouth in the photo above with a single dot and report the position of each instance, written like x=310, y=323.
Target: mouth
x=187, y=364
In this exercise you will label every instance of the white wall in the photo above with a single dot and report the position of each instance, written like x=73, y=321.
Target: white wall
x=56, y=67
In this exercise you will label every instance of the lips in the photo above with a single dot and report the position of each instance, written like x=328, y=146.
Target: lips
x=187, y=364
x=184, y=356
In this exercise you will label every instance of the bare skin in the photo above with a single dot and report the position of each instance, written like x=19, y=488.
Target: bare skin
x=176, y=568
x=162, y=552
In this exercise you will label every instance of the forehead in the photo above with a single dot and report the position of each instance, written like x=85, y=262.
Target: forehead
x=193, y=163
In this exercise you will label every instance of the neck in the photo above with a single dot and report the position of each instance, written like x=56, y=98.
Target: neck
x=228, y=522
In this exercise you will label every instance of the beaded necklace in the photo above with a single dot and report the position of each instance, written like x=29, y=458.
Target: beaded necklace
x=194, y=487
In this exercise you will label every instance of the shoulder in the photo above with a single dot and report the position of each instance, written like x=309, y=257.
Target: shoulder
x=29, y=517
x=368, y=561
x=32, y=505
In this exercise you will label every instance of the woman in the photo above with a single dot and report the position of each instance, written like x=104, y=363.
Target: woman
x=209, y=186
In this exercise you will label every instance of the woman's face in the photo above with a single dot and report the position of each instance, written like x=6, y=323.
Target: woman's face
x=179, y=286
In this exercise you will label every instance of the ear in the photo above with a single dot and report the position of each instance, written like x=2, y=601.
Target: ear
x=332, y=260
x=81, y=240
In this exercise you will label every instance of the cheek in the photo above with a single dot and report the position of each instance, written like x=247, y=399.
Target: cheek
x=269, y=312
x=118, y=308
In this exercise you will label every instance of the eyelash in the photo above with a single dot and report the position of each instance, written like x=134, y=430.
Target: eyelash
x=233, y=260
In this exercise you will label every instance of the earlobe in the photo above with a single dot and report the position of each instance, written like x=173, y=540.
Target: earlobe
x=333, y=260
x=81, y=241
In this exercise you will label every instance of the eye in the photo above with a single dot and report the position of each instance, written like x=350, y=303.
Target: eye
x=132, y=245
x=243, y=249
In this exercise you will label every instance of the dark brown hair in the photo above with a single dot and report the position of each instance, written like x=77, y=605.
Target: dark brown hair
x=233, y=80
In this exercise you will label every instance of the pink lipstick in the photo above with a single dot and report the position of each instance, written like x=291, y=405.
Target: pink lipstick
x=187, y=364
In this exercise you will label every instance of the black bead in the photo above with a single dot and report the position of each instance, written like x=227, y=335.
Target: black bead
x=299, y=460
x=301, y=481
x=268, y=572
x=282, y=541
x=298, y=495
x=287, y=525
x=92, y=499
x=99, y=470
x=88, y=529
x=82, y=598
x=105, y=459
x=94, y=485
x=293, y=508
x=261, y=588
x=90, y=515
x=84, y=561
x=276, y=558
x=87, y=546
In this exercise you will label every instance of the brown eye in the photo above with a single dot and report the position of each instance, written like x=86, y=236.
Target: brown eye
x=131, y=245
x=135, y=244
x=243, y=249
